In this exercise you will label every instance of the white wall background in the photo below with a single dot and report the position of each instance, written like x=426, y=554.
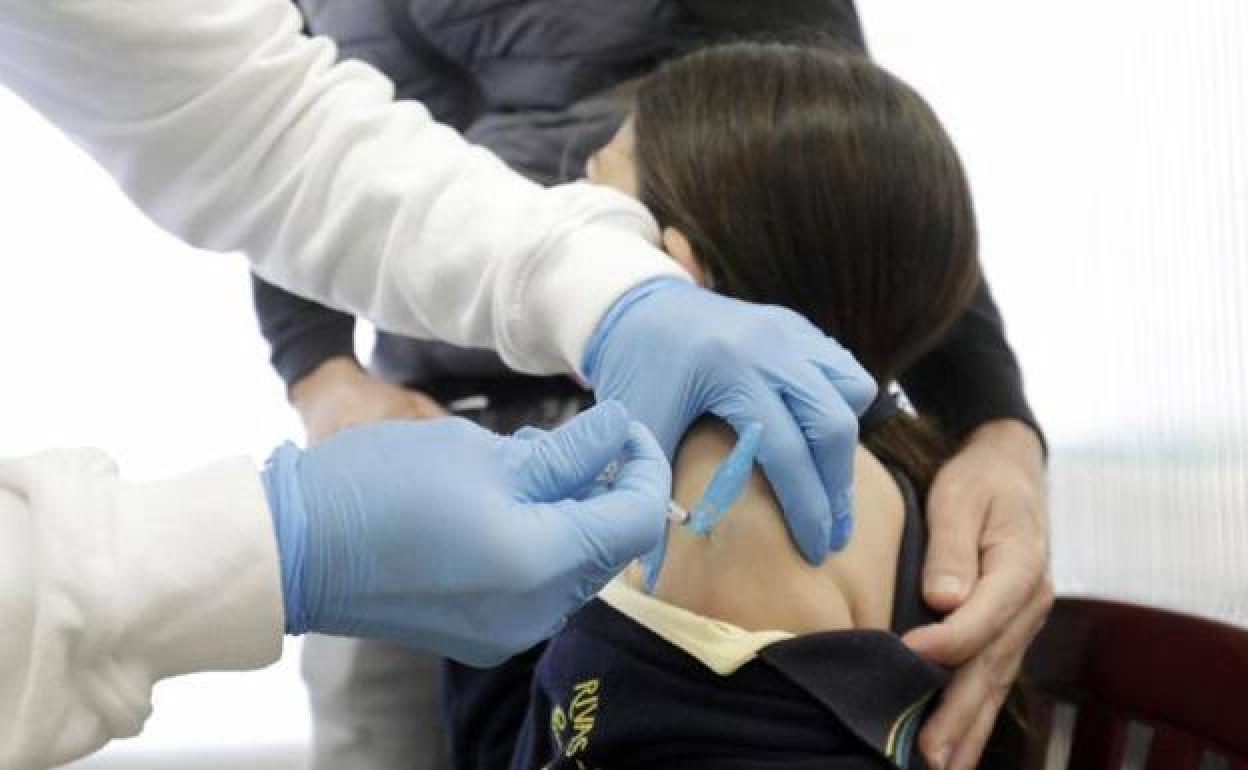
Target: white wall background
x=1107, y=143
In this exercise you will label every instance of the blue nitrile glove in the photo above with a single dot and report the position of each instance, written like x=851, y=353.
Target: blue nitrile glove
x=443, y=536
x=672, y=352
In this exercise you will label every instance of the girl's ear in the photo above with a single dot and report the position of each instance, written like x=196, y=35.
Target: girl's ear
x=678, y=248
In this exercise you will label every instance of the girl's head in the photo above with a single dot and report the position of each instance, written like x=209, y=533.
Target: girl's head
x=810, y=178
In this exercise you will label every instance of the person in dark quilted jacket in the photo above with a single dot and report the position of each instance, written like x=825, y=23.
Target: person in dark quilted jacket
x=543, y=84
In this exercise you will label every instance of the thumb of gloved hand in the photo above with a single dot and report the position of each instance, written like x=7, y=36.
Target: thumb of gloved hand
x=621, y=518
x=562, y=463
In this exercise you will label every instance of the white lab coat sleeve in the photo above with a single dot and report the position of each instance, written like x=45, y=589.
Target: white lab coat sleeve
x=235, y=132
x=108, y=586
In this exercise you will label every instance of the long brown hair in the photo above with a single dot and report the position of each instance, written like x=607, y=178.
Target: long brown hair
x=809, y=177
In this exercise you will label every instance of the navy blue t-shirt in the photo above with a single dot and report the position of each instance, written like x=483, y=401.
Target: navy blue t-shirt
x=607, y=693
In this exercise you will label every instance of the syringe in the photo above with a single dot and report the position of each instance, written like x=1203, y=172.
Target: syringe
x=728, y=482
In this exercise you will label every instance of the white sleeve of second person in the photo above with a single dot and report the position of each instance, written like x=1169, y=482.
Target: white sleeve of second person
x=108, y=586
x=235, y=132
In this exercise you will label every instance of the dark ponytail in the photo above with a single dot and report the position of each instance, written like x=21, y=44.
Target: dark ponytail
x=916, y=445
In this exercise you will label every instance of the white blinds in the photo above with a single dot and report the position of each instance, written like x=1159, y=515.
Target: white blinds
x=1107, y=143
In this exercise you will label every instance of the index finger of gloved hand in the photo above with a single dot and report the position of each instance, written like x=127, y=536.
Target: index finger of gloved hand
x=628, y=520
x=831, y=430
x=560, y=464
x=790, y=468
x=1005, y=589
x=856, y=386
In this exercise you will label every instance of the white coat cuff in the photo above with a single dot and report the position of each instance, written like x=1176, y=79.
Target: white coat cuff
x=200, y=587
x=613, y=251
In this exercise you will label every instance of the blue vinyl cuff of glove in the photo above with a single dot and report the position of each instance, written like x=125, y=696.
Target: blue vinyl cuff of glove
x=593, y=350
x=290, y=526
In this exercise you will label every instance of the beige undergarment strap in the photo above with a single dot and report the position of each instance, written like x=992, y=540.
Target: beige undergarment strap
x=721, y=647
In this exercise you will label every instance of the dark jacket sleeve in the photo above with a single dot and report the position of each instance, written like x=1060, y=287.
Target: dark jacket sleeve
x=834, y=21
x=973, y=376
x=303, y=334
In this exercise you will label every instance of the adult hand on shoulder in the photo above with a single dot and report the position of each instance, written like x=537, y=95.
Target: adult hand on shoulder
x=988, y=565
x=443, y=536
x=672, y=352
x=339, y=394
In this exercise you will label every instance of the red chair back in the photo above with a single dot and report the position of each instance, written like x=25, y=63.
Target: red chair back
x=1145, y=689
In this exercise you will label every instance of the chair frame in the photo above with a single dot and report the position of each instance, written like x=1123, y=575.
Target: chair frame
x=1184, y=677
